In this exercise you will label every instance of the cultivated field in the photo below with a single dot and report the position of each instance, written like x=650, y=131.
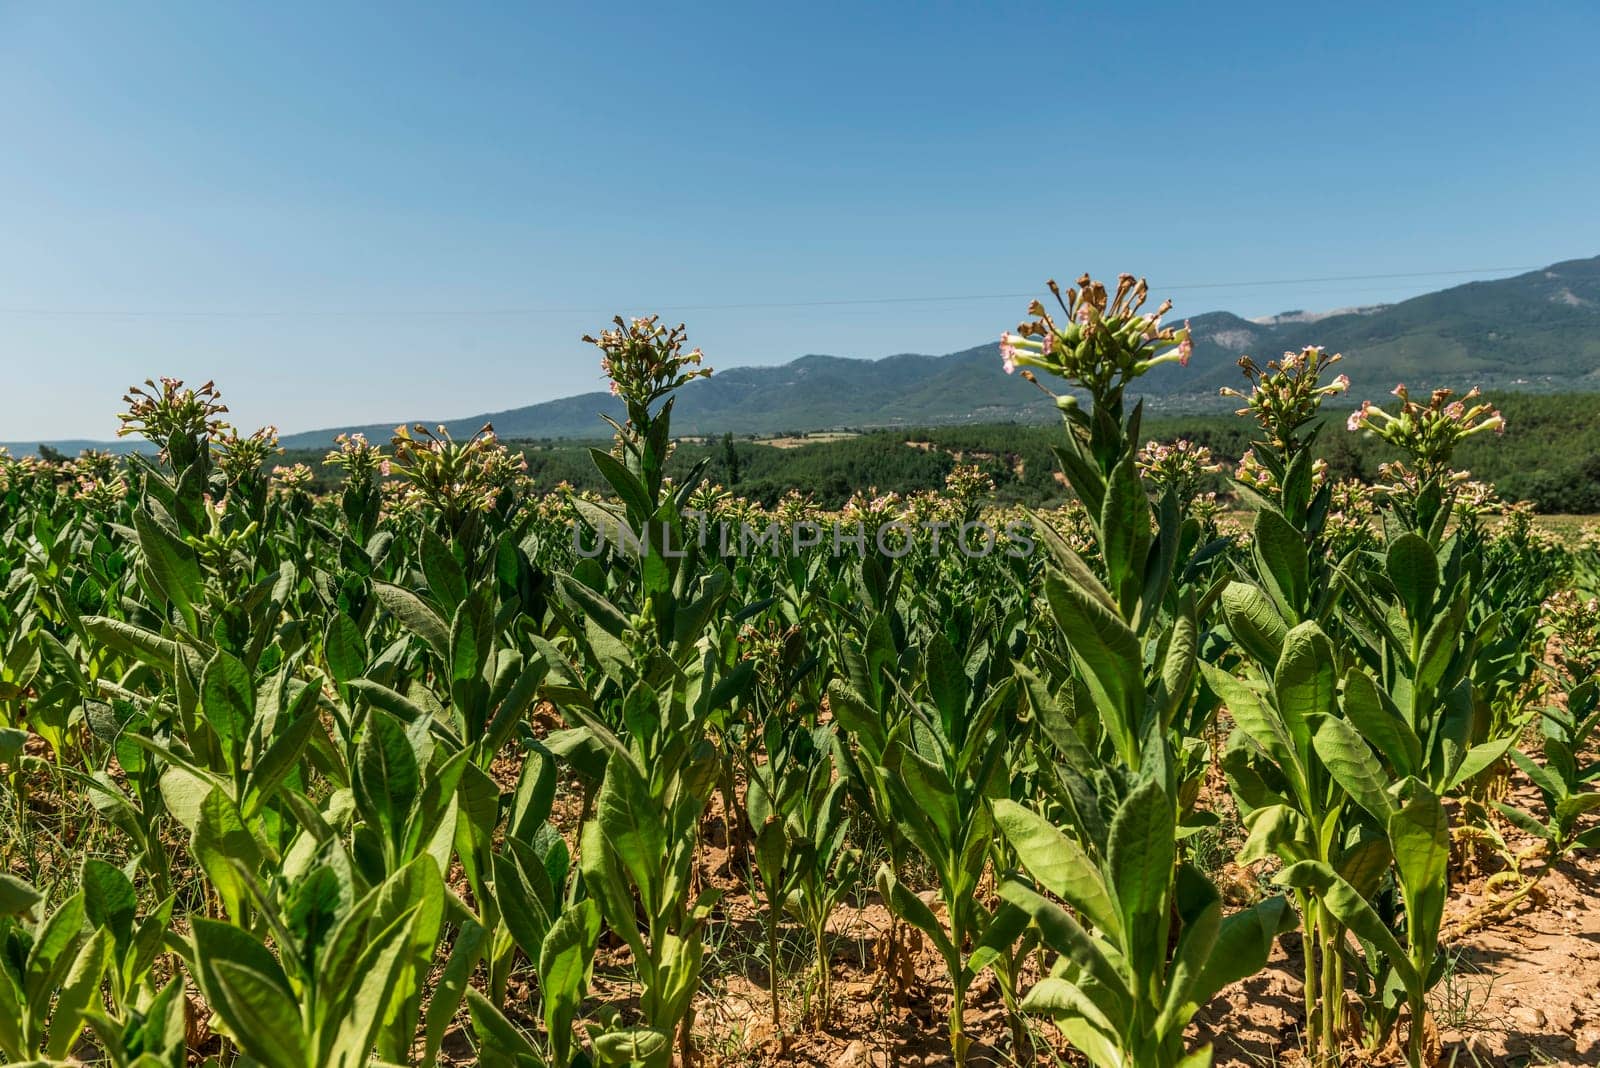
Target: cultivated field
x=434, y=769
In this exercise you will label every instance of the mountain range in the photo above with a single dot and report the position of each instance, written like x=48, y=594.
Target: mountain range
x=1535, y=331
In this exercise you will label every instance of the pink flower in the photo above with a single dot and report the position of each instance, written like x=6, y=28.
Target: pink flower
x=1008, y=354
x=1358, y=417
x=616, y=391
x=1399, y=391
x=1343, y=382
x=1185, y=347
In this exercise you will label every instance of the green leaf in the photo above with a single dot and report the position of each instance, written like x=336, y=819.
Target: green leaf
x=17, y=898
x=109, y=899
x=264, y=1022
x=524, y=894
x=1141, y=862
x=630, y=821
x=1258, y=723
x=1243, y=945
x=1369, y=712
x=1440, y=643
x=1253, y=621
x=1125, y=530
x=221, y=841
x=1057, y=863
x=172, y=562
x=627, y=486
x=1281, y=562
x=54, y=949
x=148, y=646
x=1419, y=834
x=1352, y=910
x=1305, y=682
x=565, y=961
x=1277, y=831
x=501, y=1045
x=1107, y=653
x=949, y=686
x=452, y=986
x=415, y=615
x=344, y=648
x=1479, y=759
x=387, y=779
x=445, y=579
x=281, y=756
x=228, y=700
x=1353, y=766
x=79, y=991
x=1413, y=568
x=1066, y=936
x=912, y=909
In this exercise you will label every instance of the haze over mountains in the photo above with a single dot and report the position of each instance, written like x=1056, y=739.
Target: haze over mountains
x=1536, y=331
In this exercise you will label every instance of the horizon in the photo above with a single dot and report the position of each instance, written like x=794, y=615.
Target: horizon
x=1286, y=315
x=342, y=216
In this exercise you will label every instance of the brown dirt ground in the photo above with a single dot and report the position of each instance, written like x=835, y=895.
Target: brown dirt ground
x=1525, y=989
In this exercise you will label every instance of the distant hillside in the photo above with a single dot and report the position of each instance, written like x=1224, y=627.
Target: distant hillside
x=1539, y=331
x=1536, y=331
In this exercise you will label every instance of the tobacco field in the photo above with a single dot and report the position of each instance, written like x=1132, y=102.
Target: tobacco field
x=435, y=769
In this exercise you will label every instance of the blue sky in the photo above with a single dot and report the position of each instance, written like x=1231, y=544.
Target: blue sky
x=357, y=212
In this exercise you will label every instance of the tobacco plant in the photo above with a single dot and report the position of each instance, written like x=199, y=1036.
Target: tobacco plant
x=1124, y=988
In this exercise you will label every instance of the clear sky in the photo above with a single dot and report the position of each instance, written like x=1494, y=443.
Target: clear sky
x=353, y=212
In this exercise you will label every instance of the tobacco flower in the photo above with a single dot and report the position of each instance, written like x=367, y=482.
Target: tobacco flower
x=295, y=479
x=362, y=461
x=645, y=360
x=1286, y=395
x=242, y=459
x=455, y=477
x=1429, y=432
x=1103, y=343
x=1181, y=466
x=168, y=413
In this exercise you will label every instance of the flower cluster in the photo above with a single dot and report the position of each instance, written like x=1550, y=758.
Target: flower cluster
x=792, y=508
x=1073, y=522
x=1520, y=530
x=25, y=473
x=455, y=477
x=1349, y=523
x=1287, y=394
x=1574, y=623
x=872, y=509
x=966, y=487
x=1475, y=500
x=1103, y=343
x=645, y=360
x=1181, y=466
x=294, y=479
x=101, y=493
x=709, y=498
x=1399, y=481
x=362, y=461
x=1258, y=476
x=168, y=412
x=97, y=464
x=243, y=459
x=1429, y=432
x=1207, y=508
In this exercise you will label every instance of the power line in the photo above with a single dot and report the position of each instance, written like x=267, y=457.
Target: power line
x=515, y=312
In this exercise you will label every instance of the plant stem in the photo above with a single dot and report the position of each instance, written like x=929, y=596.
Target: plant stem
x=772, y=967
